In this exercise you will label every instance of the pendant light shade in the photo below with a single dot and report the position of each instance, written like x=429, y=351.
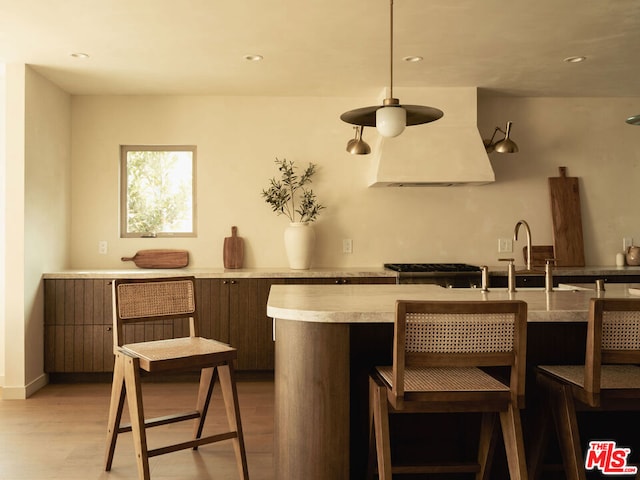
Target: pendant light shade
x=357, y=146
x=635, y=120
x=505, y=145
x=391, y=118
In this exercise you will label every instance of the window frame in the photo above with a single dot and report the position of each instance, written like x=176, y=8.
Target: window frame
x=124, y=186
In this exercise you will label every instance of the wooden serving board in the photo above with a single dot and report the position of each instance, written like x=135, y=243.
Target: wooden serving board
x=233, y=250
x=568, y=243
x=159, y=258
x=539, y=254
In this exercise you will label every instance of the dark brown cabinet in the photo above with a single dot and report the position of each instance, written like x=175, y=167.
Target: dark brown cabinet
x=78, y=331
x=340, y=280
x=235, y=311
x=78, y=320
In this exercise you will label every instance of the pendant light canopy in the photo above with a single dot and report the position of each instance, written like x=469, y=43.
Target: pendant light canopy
x=391, y=118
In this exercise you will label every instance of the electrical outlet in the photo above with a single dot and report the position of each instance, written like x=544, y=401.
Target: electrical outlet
x=505, y=245
x=347, y=245
x=626, y=243
x=102, y=247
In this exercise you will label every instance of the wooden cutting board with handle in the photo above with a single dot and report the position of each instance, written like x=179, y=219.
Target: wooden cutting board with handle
x=159, y=258
x=568, y=243
x=233, y=250
x=539, y=254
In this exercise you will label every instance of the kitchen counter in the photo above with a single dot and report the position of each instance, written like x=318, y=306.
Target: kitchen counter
x=592, y=270
x=269, y=272
x=376, y=303
x=284, y=272
x=327, y=339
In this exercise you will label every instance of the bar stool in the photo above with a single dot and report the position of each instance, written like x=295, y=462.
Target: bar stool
x=609, y=380
x=147, y=300
x=438, y=353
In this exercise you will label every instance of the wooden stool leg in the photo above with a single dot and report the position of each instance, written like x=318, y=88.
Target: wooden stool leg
x=205, y=392
x=115, y=410
x=514, y=443
x=136, y=412
x=381, y=428
x=371, y=463
x=568, y=434
x=487, y=444
x=539, y=440
x=230, y=397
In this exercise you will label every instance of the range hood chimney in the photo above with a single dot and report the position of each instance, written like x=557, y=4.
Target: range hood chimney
x=448, y=152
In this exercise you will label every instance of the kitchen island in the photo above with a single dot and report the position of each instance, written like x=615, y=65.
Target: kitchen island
x=327, y=339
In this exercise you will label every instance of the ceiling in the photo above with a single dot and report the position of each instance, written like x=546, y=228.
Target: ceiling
x=326, y=47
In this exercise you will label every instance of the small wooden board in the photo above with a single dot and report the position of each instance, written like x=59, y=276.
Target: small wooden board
x=568, y=242
x=159, y=258
x=233, y=250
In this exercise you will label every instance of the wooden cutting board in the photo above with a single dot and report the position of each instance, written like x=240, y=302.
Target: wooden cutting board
x=539, y=254
x=159, y=258
x=233, y=250
x=568, y=242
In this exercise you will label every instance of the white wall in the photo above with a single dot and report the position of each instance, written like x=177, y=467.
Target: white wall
x=62, y=182
x=3, y=202
x=37, y=218
x=14, y=235
x=47, y=204
x=239, y=137
x=590, y=137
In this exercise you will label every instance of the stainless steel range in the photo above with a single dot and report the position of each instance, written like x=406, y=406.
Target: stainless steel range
x=450, y=275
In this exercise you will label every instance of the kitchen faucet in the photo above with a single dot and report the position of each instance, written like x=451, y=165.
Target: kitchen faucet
x=515, y=238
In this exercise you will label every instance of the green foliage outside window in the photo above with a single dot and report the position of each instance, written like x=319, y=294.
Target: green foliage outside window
x=159, y=190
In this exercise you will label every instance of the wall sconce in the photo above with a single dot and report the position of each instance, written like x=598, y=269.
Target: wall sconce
x=357, y=146
x=506, y=145
x=635, y=120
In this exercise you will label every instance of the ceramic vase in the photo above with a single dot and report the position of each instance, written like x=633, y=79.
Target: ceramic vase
x=299, y=240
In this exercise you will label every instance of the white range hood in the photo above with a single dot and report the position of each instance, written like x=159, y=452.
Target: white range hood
x=447, y=152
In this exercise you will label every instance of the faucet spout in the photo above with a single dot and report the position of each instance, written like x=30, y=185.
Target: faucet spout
x=528, y=232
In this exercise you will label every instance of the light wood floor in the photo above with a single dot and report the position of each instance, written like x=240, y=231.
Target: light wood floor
x=59, y=433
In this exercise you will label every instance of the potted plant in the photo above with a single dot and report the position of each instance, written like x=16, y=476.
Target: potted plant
x=290, y=196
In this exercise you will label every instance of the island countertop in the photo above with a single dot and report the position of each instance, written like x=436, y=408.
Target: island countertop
x=328, y=337
x=376, y=303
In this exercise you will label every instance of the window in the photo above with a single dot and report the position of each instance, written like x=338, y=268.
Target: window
x=157, y=191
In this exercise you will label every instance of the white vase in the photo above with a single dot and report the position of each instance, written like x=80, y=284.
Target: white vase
x=299, y=240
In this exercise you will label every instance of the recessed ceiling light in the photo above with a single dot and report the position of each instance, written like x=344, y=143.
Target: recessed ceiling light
x=576, y=59
x=253, y=58
x=413, y=58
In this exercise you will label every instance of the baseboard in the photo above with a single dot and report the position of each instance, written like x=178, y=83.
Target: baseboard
x=22, y=393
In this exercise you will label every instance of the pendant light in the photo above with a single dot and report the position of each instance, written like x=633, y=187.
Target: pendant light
x=391, y=118
x=505, y=145
x=635, y=120
x=357, y=146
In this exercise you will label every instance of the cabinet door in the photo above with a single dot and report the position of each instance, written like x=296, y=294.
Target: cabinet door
x=251, y=329
x=78, y=333
x=212, y=296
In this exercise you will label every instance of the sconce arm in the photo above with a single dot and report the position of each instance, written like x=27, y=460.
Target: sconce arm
x=488, y=143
